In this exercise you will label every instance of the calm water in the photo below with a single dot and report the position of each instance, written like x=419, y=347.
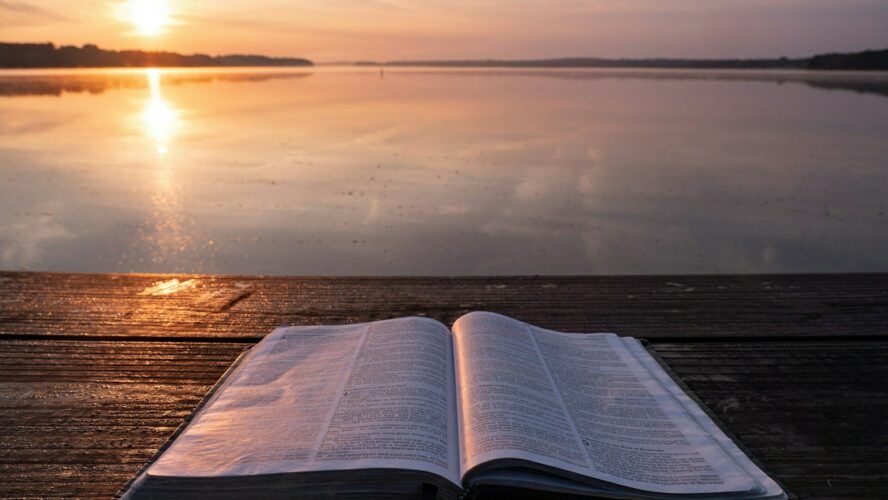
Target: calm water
x=347, y=171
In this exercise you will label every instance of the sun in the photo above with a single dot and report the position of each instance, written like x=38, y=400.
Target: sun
x=148, y=17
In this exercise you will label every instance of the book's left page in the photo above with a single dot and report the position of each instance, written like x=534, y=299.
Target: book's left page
x=367, y=396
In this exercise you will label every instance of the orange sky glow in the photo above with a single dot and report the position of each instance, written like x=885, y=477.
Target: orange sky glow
x=348, y=30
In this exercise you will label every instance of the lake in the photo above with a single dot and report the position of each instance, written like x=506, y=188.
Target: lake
x=351, y=171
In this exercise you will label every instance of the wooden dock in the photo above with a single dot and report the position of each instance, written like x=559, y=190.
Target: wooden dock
x=97, y=370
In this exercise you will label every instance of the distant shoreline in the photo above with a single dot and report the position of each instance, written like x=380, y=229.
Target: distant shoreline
x=48, y=56
x=871, y=60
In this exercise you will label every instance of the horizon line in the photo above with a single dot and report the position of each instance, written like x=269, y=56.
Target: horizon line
x=484, y=59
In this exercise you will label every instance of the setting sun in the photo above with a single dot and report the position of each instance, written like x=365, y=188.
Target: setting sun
x=148, y=17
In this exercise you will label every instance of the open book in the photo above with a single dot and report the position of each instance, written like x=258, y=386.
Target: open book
x=407, y=407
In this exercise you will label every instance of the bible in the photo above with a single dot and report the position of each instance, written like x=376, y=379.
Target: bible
x=409, y=408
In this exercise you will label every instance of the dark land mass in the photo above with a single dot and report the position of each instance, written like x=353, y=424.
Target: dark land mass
x=868, y=60
x=47, y=55
x=862, y=61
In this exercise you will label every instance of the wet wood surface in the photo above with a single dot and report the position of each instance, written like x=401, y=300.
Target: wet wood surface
x=97, y=370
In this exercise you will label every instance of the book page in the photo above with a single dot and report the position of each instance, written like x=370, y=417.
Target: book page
x=770, y=487
x=375, y=395
x=581, y=403
x=508, y=407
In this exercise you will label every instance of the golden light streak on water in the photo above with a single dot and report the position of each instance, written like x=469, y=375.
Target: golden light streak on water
x=159, y=117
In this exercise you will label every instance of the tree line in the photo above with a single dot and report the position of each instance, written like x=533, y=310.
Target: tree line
x=47, y=55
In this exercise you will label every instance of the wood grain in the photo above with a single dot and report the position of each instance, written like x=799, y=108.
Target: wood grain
x=815, y=413
x=73, y=305
x=97, y=370
x=79, y=418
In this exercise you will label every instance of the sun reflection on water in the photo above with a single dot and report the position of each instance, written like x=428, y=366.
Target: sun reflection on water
x=160, y=118
x=168, y=231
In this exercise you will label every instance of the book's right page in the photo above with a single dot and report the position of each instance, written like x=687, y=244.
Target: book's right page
x=771, y=488
x=583, y=404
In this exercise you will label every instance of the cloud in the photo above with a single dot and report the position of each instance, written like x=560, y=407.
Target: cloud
x=17, y=13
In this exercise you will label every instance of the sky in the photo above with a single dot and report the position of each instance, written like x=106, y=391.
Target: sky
x=350, y=30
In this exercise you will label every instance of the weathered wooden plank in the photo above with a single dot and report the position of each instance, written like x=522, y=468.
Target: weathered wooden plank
x=73, y=435
x=249, y=307
x=78, y=417
x=82, y=426
x=821, y=427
